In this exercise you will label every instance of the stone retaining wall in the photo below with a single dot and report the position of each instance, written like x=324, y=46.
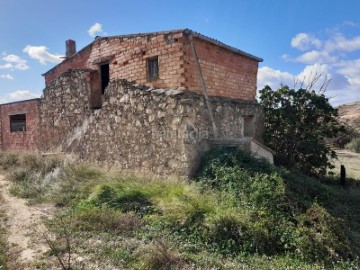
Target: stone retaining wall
x=164, y=131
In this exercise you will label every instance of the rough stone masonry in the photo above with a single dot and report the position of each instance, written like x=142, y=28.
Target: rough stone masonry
x=151, y=102
x=164, y=131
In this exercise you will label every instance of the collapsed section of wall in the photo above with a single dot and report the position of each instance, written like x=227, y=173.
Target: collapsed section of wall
x=164, y=131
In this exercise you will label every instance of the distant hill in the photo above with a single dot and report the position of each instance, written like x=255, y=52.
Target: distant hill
x=350, y=114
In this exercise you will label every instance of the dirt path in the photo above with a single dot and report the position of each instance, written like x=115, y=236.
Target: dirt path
x=24, y=229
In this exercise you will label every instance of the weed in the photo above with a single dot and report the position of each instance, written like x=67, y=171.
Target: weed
x=160, y=256
x=104, y=220
x=3, y=246
x=9, y=160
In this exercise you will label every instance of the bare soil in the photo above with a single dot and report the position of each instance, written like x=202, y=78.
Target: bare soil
x=25, y=228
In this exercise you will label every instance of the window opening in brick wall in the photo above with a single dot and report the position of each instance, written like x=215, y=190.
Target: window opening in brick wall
x=105, y=76
x=248, y=126
x=17, y=122
x=153, y=68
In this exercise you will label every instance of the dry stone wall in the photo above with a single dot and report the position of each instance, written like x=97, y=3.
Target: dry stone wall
x=164, y=131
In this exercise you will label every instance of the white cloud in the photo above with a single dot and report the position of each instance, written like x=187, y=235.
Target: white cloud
x=344, y=86
x=316, y=57
x=304, y=41
x=14, y=62
x=7, y=66
x=273, y=77
x=320, y=73
x=335, y=55
x=22, y=95
x=18, y=95
x=96, y=28
x=6, y=76
x=42, y=54
x=340, y=43
x=351, y=71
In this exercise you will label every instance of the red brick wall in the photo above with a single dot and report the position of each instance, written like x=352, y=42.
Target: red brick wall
x=79, y=60
x=226, y=73
x=127, y=58
x=23, y=140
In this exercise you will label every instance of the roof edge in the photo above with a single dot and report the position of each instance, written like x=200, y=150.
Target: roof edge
x=221, y=44
x=20, y=101
x=186, y=31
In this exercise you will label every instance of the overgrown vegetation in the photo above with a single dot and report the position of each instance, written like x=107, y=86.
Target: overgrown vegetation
x=239, y=214
x=298, y=124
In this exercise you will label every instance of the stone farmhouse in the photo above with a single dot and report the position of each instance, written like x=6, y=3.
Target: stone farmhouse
x=151, y=102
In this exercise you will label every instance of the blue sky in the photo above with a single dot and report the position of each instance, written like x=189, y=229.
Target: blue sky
x=297, y=39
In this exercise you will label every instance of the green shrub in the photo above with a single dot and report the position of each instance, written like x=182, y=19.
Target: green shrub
x=127, y=200
x=320, y=236
x=280, y=206
x=227, y=235
x=354, y=145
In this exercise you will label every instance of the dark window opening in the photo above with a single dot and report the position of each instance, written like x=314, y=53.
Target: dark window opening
x=17, y=122
x=153, y=68
x=248, y=126
x=105, y=76
x=95, y=90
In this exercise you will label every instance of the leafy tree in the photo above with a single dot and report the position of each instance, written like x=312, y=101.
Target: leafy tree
x=297, y=124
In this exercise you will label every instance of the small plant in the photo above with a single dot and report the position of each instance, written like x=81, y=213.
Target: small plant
x=159, y=256
x=103, y=219
x=9, y=160
x=62, y=245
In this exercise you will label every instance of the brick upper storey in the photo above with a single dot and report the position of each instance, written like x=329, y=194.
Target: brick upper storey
x=166, y=60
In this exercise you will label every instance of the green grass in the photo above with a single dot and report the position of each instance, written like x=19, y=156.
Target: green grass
x=239, y=213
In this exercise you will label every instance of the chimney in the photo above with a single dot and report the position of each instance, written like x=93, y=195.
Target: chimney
x=70, y=48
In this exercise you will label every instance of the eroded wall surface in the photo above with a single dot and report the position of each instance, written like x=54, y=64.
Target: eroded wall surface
x=164, y=131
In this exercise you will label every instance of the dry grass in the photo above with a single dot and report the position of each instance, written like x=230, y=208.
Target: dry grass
x=351, y=161
x=3, y=247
